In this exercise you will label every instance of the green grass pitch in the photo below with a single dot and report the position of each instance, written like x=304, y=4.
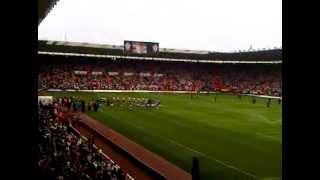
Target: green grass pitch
x=232, y=138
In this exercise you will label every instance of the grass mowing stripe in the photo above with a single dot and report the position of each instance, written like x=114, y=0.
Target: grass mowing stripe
x=193, y=150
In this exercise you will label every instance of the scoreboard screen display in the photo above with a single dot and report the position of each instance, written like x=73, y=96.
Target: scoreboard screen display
x=135, y=47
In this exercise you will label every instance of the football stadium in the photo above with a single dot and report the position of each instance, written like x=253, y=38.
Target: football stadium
x=139, y=111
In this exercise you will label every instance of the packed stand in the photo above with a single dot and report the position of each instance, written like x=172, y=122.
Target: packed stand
x=163, y=76
x=65, y=156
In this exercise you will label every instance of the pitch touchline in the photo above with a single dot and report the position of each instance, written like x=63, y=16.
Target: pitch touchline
x=220, y=162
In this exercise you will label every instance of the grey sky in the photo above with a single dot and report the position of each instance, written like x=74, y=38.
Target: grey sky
x=215, y=25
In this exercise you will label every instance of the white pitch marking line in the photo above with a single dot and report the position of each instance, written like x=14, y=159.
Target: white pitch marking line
x=220, y=162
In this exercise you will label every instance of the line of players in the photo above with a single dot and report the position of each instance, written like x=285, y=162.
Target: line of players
x=131, y=102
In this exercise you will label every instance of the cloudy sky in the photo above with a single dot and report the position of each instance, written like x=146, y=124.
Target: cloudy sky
x=215, y=25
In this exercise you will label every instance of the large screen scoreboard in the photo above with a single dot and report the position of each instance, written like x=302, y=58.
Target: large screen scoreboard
x=136, y=47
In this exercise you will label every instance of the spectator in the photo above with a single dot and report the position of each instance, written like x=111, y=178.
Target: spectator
x=65, y=156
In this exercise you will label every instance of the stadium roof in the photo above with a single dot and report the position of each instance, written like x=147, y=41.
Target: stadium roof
x=113, y=51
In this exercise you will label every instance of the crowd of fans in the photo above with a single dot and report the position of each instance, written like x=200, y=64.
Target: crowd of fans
x=163, y=76
x=65, y=156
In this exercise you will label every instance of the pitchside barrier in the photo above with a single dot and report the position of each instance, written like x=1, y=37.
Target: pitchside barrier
x=147, y=91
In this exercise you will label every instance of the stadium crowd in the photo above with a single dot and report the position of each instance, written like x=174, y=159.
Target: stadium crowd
x=163, y=76
x=65, y=156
